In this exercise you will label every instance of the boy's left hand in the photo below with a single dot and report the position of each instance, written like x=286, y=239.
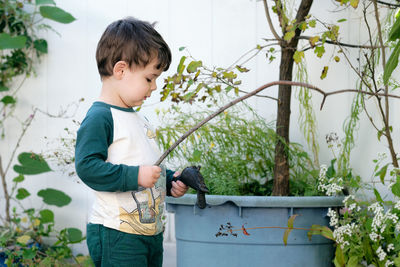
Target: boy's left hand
x=178, y=188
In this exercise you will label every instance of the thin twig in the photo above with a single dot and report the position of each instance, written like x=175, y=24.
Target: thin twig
x=6, y=195
x=271, y=25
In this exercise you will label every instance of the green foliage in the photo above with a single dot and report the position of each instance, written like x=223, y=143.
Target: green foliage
x=367, y=229
x=54, y=197
x=236, y=152
x=23, y=229
x=195, y=82
x=20, y=44
x=22, y=238
x=56, y=14
x=31, y=164
x=307, y=121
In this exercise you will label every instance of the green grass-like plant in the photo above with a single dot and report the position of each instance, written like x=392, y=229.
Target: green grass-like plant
x=235, y=151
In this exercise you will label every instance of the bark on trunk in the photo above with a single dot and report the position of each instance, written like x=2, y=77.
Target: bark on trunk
x=281, y=171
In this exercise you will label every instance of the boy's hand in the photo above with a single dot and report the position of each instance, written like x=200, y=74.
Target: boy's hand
x=178, y=188
x=148, y=175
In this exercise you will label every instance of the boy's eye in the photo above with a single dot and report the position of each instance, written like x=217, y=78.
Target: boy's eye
x=148, y=80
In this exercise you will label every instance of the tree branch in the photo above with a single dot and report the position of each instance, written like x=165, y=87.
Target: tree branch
x=341, y=44
x=252, y=93
x=390, y=5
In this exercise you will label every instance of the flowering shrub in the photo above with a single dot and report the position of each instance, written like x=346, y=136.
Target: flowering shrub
x=366, y=232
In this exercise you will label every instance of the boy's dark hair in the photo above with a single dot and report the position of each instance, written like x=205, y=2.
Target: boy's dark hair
x=133, y=41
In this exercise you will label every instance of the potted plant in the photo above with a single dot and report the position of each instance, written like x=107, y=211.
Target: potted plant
x=236, y=155
x=196, y=82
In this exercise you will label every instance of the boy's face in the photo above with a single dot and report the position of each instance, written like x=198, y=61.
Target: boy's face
x=137, y=83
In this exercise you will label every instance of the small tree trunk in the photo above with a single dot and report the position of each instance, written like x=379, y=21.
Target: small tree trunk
x=281, y=171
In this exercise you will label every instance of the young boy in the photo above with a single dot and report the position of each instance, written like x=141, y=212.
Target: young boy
x=116, y=150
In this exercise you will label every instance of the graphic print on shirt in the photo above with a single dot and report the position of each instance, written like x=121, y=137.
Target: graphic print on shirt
x=143, y=214
x=146, y=211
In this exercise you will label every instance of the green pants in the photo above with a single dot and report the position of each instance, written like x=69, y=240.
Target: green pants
x=109, y=247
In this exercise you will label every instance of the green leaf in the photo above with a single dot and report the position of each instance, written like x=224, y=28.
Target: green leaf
x=182, y=48
x=22, y=194
x=229, y=75
x=395, y=30
x=382, y=173
x=9, y=42
x=396, y=188
x=354, y=3
x=324, y=72
x=54, y=197
x=313, y=40
x=397, y=261
x=181, y=67
x=353, y=262
x=228, y=88
x=46, y=216
x=3, y=88
x=391, y=63
x=44, y=2
x=320, y=230
x=40, y=45
x=312, y=23
x=378, y=196
x=193, y=66
x=29, y=253
x=56, y=14
x=367, y=249
x=74, y=235
x=291, y=220
x=19, y=178
x=242, y=69
x=319, y=50
x=339, y=257
x=7, y=100
x=342, y=20
x=31, y=164
x=298, y=55
x=286, y=235
x=289, y=36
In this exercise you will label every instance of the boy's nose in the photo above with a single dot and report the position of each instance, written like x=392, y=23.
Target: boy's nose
x=153, y=86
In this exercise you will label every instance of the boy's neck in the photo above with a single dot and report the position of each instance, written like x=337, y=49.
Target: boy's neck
x=108, y=94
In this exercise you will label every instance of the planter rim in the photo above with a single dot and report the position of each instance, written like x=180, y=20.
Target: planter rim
x=262, y=201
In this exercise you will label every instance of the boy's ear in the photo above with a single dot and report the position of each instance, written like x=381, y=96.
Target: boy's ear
x=119, y=68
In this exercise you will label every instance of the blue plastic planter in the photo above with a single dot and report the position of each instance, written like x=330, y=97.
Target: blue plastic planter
x=197, y=244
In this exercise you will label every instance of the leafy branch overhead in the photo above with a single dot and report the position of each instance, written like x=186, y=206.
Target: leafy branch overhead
x=20, y=42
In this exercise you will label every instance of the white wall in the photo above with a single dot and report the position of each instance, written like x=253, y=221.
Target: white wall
x=216, y=31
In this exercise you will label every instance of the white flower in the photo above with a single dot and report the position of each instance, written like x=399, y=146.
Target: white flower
x=391, y=216
x=352, y=206
x=389, y=263
x=390, y=247
x=397, y=205
x=333, y=217
x=374, y=236
x=322, y=171
x=381, y=254
x=341, y=232
x=347, y=198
